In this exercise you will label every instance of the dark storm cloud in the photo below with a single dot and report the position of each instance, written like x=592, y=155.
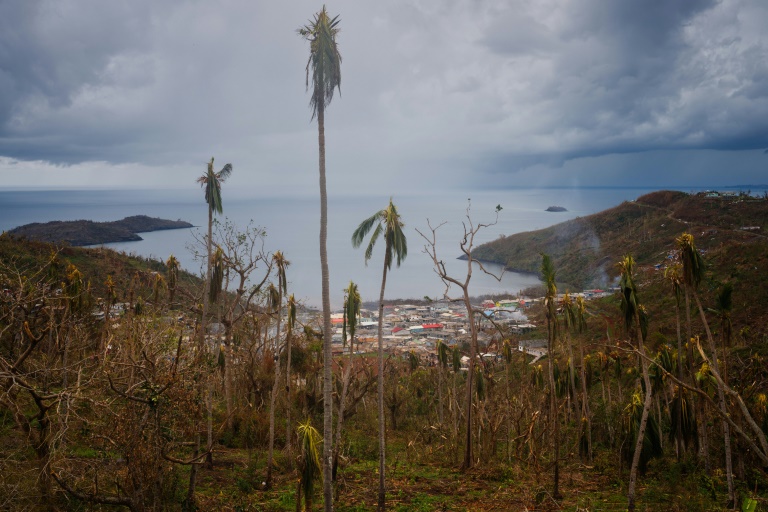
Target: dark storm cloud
x=633, y=77
x=436, y=89
x=49, y=50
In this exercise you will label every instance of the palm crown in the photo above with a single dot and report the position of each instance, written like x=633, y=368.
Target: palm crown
x=387, y=221
x=324, y=58
x=691, y=260
x=212, y=181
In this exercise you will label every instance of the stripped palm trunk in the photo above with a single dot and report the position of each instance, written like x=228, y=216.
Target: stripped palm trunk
x=553, y=412
x=680, y=444
x=288, y=395
x=643, y=420
x=275, y=386
x=327, y=354
x=585, y=412
x=382, y=426
x=631, y=307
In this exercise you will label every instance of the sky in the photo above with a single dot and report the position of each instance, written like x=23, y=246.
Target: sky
x=435, y=94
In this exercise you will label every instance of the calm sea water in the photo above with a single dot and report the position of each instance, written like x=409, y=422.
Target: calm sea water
x=292, y=226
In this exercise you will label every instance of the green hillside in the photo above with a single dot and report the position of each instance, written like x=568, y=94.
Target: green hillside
x=584, y=250
x=19, y=254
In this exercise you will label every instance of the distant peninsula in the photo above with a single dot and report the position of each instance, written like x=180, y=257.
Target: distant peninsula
x=88, y=232
x=585, y=250
x=556, y=209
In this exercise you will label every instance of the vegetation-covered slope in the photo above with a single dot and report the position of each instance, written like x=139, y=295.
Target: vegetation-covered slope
x=584, y=250
x=95, y=265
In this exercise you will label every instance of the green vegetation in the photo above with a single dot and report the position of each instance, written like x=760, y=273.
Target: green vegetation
x=119, y=402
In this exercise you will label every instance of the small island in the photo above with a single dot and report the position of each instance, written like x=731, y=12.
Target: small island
x=88, y=232
x=556, y=209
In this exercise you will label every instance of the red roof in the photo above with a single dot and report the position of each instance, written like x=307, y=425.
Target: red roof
x=397, y=329
x=432, y=326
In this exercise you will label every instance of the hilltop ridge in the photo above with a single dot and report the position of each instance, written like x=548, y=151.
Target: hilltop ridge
x=88, y=232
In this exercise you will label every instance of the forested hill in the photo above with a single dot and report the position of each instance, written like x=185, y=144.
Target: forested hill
x=585, y=250
x=87, y=232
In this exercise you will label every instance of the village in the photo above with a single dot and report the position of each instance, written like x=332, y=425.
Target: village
x=416, y=329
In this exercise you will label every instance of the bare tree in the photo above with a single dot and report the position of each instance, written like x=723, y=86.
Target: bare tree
x=466, y=244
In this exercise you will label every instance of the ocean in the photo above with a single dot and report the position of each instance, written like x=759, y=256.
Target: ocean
x=292, y=226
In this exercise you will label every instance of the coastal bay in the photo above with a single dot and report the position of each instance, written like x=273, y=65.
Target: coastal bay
x=292, y=225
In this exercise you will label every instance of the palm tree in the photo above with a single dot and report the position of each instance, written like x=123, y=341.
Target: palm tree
x=276, y=305
x=631, y=308
x=550, y=306
x=309, y=466
x=388, y=223
x=211, y=181
x=325, y=66
x=673, y=275
x=693, y=272
x=352, y=303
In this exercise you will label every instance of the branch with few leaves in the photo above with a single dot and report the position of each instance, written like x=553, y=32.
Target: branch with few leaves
x=93, y=497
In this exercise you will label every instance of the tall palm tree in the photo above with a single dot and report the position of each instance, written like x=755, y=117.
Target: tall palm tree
x=211, y=181
x=693, y=272
x=631, y=308
x=324, y=65
x=550, y=307
x=388, y=223
x=276, y=303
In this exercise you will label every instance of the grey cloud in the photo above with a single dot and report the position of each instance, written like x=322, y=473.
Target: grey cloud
x=430, y=88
